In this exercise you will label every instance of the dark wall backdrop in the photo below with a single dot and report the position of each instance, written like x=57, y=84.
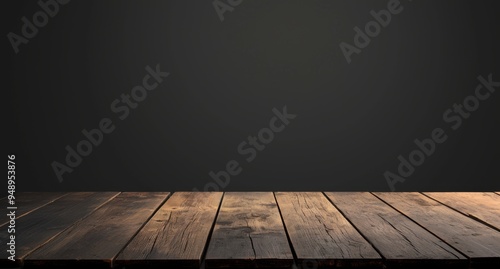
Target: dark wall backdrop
x=353, y=120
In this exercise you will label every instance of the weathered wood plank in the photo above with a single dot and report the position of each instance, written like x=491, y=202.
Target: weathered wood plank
x=401, y=241
x=249, y=233
x=319, y=232
x=478, y=242
x=27, y=202
x=97, y=239
x=38, y=227
x=483, y=206
x=177, y=234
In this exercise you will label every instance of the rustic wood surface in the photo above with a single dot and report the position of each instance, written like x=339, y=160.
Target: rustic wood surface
x=475, y=240
x=27, y=202
x=249, y=232
x=254, y=230
x=177, y=233
x=319, y=232
x=482, y=206
x=400, y=240
x=97, y=239
x=41, y=225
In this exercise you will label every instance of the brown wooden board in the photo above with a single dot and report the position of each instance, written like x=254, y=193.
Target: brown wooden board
x=477, y=241
x=40, y=226
x=319, y=233
x=176, y=235
x=249, y=233
x=97, y=239
x=482, y=206
x=400, y=241
x=333, y=229
x=27, y=202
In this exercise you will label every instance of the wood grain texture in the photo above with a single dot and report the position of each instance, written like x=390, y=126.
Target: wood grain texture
x=27, y=202
x=177, y=234
x=38, y=227
x=320, y=233
x=478, y=242
x=97, y=230
x=249, y=233
x=401, y=241
x=97, y=239
x=483, y=206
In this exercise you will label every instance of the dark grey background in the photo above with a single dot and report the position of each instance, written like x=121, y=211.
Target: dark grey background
x=353, y=119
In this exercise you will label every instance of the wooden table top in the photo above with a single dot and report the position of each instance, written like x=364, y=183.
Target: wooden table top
x=254, y=229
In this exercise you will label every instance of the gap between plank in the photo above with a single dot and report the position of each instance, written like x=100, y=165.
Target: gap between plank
x=444, y=241
x=352, y=224
x=463, y=213
x=295, y=258
x=69, y=226
x=112, y=261
x=36, y=208
x=209, y=238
